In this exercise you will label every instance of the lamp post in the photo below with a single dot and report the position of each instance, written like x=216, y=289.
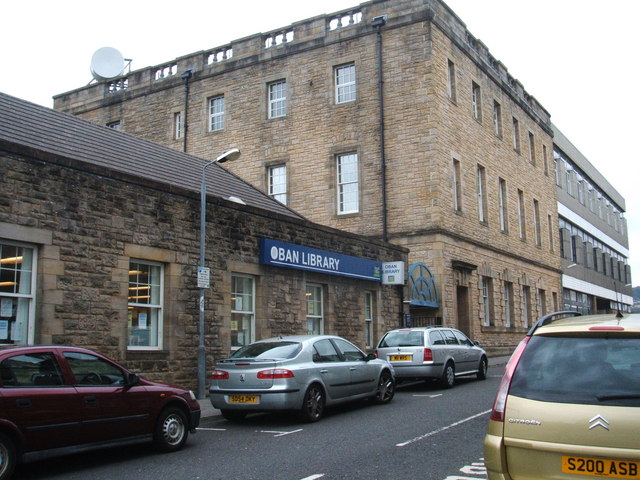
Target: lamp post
x=227, y=156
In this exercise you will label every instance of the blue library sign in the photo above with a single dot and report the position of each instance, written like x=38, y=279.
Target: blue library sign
x=289, y=255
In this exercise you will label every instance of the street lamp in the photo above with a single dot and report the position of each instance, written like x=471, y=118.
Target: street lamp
x=203, y=283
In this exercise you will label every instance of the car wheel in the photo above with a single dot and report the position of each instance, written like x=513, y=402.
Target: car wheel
x=171, y=430
x=7, y=457
x=386, y=388
x=482, y=369
x=313, y=404
x=448, y=376
x=233, y=415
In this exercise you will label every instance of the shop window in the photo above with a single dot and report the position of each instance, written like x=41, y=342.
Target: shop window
x=145, y=305
x=242, y=310
x=17, y=293
x=368, y=318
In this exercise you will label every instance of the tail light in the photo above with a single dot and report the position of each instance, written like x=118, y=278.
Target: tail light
x=375, y=352
x=276, y=373
x=500, y=404
x=428, y=355
x=219, y=375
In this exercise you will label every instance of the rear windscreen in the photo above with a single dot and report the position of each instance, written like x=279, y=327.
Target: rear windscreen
x=402, y=339
x=268, y=350
x=601, y=370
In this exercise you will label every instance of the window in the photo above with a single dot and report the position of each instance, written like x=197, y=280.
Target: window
x=114, y=125
x=526, y=306
x=476, y=99
x=502, y=201
x=551, y=230
x=482, y=194
x=368, y=319
x=242, y=310
x=278, y=99
x=497, y=119
x=542, y=302
x=487, y=300
x=452, y=80
x=556, y=168
x=348, y=194
x=315, y=310
x=177, y=125
x=581, y=197
x=216, y=113
x=90, y=370
x=278, y=183
x=145, y=304
x=516, y=134
x=457, y=186
x=508, y=304
x=521, y=215
x=31, y=370
x=345, y=83
x=592, y=199
x=545, y=160
x=532, y=149
x=536, y=223
x=17, y=293
x=568, y=173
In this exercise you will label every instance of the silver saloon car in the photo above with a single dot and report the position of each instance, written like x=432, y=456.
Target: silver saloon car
x=302, y=373
x=440, y=353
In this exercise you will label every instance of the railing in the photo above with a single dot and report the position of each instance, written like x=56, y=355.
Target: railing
x=166, y=71
x=117, y=85
x=218, y=55
x=279, y=37
x=344, y=19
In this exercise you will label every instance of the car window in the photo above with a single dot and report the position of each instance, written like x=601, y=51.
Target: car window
x=349, y=351
x=92, y=370
x=403, y=338
x=31, y=370
x=450, y=338
x=585, y=370
x=324, y=351
x=436, y=338
x=268, y=350
x=462, y=338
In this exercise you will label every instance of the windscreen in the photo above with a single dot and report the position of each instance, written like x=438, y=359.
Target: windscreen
x=603, y=370
x=406, y=338
x=268, y=350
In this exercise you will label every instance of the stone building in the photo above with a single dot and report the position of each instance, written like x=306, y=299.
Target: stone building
x=99, y=247
x=388, y=120
x=594, y=242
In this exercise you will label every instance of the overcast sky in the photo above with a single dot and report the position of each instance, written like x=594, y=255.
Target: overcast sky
x=578, y=58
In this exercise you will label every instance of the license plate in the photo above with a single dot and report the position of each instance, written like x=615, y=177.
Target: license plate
x=243, y=398
x=400, y=358
x=601, y=467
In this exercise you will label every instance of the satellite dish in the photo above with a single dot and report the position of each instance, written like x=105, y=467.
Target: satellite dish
x=107, y=63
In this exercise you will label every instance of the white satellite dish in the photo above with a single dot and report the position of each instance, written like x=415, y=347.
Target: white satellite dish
x=107, y=63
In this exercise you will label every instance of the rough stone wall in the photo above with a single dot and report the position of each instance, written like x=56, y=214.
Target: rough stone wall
x=88, y=227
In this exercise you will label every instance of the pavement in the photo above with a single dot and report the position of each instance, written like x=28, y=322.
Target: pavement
x=207, y=410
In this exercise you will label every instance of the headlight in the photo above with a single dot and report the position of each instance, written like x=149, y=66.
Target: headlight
x=192, y=395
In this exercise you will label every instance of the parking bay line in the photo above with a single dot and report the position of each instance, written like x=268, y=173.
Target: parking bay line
x=207, y=429
x=281, y=434
x=426, y=435
x=313, y=477
x=430, y=396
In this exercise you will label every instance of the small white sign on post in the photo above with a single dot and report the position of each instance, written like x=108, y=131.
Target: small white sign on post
x=393, y=273
x=203, y=277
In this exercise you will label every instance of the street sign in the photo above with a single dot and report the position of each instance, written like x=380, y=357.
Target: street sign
x=393, y=273
x=203, y=277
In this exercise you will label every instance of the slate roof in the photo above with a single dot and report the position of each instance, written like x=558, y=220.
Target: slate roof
x=60, y=138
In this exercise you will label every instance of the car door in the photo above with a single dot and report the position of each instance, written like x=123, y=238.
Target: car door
x=332, y=369
x=110, y=408
x=456, y=351
x=39, y=402
x=363, y=374
x=471, y=354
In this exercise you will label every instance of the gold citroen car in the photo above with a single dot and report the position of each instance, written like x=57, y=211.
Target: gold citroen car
x=568, y=406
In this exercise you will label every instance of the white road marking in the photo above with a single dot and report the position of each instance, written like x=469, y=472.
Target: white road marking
x=280, y=434
x=430, y=396
x=212, y=429
x=422, y=437
x=313, y=477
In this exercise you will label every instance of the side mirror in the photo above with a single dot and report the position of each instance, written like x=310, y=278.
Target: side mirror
x=476, y=343
x=132, y=380
x=370, y=357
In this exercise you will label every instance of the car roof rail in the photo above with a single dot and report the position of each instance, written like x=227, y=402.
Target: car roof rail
x=551, y=317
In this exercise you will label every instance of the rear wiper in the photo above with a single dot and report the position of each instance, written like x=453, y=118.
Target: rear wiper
x=618, y=396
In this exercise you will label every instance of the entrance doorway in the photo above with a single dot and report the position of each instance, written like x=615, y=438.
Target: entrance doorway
x=462, y=299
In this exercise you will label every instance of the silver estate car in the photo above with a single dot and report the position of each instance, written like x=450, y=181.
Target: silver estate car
x=301, y=373
x=432, y=353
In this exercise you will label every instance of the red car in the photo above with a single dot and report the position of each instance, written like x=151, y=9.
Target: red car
x=56, y=400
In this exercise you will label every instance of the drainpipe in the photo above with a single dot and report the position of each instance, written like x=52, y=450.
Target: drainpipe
x=186, y=76
x=378, y=23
